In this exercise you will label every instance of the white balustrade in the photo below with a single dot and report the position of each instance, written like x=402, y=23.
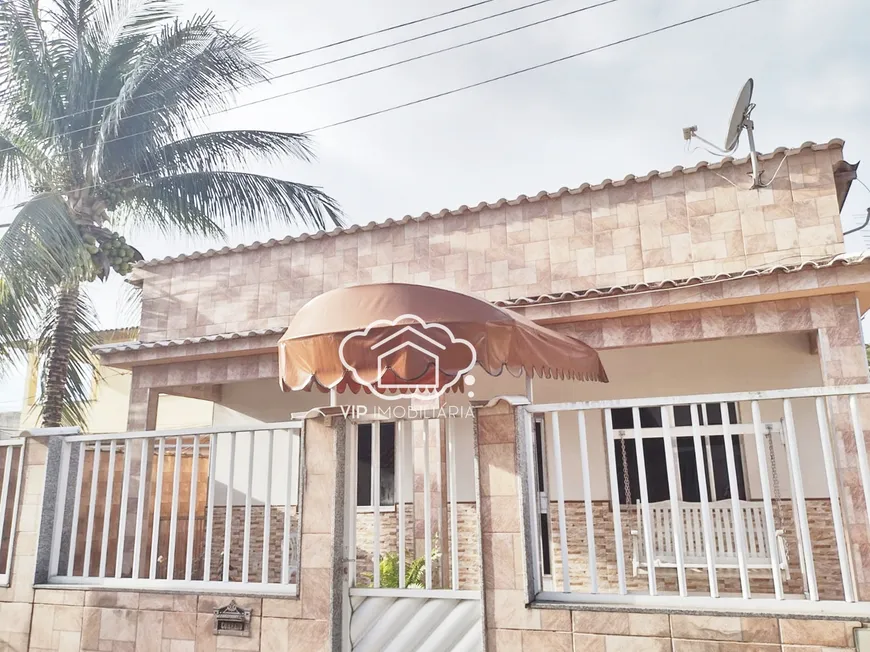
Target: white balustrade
x=704, y=501
x=173, y=510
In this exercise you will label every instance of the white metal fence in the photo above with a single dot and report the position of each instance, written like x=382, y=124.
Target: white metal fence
x=195, y=509
x=719, y=501
x=11, y=472
x=402, y=509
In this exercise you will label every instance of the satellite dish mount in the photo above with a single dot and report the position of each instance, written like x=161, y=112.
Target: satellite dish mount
x=740, y=121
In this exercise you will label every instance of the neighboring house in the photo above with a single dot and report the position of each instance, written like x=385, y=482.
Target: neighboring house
x=109, y=395
x=10, y=424
x=718, y=473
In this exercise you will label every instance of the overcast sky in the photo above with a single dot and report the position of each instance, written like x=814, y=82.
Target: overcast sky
x=604, y=115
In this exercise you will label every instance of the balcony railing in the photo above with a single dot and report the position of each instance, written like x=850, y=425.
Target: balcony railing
x=190, y=510
x=725, y=501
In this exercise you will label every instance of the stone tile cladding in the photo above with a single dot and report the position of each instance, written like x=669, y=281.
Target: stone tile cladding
x=677, y=226
x=255, y=558
x=825, y=556
x=512, y=627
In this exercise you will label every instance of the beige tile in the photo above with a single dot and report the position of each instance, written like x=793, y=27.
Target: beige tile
x=274, y=635
x=91, y=617
x=550, y=641
x=186, y=603
x=505, y=640
x=68, y=618
x=556, y=620
x=15, y=617
x=649, y=625
x=177, y=625
x=589, y=643
x=282, y=607
x=118, y=599
x=314, y=593
x=506, y=609
x=816, y=632
x=149, y=631
x=205, y=638
x=636, y=644
x=118, y=625
x=182, y=646
x=308, y=635
x=707, y=628
x=42, y=626
x=316, y=551
x=593, y=622
x=14, y=642
x=760, y=630
x=158, y=601
x=69, y=642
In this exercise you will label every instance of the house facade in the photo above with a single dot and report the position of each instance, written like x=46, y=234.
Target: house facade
x=108, y=393
x=713, y=495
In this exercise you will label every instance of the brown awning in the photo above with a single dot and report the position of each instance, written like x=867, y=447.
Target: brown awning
x=353, y=322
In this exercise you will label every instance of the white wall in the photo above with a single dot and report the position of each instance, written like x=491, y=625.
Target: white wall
x=727, y=365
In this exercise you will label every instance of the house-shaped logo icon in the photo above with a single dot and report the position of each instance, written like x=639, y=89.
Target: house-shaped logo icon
x=406, y=356
x=394, y=345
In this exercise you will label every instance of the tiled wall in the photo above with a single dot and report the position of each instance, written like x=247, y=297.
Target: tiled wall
x=822, y=537
x=673, y=226
x=512, y=627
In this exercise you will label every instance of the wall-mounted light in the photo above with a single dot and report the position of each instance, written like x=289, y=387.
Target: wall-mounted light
x=862, y=639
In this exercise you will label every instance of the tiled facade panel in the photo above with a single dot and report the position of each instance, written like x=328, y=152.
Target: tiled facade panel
x=674, y=225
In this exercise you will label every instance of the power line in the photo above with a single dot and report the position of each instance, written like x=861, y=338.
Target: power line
x=320, y=48
x=491, y=80
x=535, y=67
x=365, y=72
x=348, y=57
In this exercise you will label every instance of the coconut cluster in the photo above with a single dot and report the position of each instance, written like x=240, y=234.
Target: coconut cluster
x=108, y=250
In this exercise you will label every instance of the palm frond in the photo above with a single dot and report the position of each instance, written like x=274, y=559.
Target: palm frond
x=25, y=62
x=223, y=149
x=238, y=199
x=189, y=69
x=80, y=371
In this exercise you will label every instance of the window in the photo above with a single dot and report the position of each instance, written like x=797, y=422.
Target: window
x=387, y=466
x=715, y=461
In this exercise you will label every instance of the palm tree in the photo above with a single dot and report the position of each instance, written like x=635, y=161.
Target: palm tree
x=100, y=101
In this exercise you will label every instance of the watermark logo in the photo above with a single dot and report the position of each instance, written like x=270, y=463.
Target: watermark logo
x=407, y=357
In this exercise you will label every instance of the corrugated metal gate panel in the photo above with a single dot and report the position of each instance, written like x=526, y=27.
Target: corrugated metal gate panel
x=398, y=624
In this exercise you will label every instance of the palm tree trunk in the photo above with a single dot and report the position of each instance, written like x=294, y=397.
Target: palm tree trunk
x=58, y=359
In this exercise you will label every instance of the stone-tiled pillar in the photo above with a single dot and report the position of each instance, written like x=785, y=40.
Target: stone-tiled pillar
x=141, y=415
x=844, y=362
x=322, y=510
x=510, y=625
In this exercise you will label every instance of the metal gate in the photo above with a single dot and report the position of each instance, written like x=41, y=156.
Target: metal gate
x=407, y=553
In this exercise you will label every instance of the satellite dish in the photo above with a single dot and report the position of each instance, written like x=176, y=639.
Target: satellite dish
x=740, y=120
x=739, y=116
